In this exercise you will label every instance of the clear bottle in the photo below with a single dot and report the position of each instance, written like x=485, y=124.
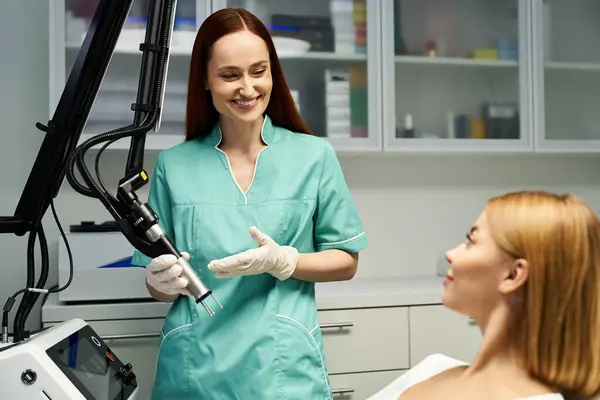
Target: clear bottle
x=408, y=131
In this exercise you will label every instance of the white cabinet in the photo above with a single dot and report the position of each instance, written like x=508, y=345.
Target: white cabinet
x=435, y=329
x=368, y=348
x=370, y=339
x=361, y=386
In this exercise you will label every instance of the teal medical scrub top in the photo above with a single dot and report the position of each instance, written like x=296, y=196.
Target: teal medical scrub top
x=265, y=343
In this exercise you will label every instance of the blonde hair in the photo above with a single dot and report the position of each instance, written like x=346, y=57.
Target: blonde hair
x=556, y=327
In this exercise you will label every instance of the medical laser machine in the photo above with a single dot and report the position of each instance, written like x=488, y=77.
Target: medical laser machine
x=70, y=361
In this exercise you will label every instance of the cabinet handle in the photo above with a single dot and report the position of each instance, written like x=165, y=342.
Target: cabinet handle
x=472, y=322
x=338, y=325
x=342, y=391
x=131, y=336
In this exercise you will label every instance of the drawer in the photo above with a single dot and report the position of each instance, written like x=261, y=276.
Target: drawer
x=362, y=385
x=436, y=329
x=362, y=340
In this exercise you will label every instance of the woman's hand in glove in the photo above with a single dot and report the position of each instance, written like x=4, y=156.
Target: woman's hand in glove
x=164, y=275
x=269, y=257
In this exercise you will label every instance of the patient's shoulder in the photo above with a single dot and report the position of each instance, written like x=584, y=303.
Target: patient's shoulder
x=427, y=368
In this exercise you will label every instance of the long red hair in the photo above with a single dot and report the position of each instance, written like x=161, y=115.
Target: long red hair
x=201, y=114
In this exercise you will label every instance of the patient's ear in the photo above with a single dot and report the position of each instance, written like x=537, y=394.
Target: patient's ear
x=515, y=277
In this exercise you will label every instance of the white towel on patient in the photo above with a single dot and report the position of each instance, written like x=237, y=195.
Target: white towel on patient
x=429, y=367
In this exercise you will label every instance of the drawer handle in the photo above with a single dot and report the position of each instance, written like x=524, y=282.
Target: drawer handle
x=342, y=391
x=338, y=325
x=130, y=336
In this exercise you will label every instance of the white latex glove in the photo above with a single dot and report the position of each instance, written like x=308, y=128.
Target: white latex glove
x=164, y=274
x=269, y=257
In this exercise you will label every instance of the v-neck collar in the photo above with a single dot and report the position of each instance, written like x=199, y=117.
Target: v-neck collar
x=267, y=133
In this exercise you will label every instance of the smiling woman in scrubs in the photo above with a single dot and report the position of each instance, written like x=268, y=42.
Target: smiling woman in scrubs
x=262, y=209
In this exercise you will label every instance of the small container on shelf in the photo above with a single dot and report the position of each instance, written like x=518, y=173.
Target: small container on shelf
x=431, y=48
x=359, y=102
x=461, y=126
x=485, y=53
x=508, y=49
x=360, y=26
x=476, y=128
x=337, y=103
x=408, y=130
x=343, y=25
x=501, y=120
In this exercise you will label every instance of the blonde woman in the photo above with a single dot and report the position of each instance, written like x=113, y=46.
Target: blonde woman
x=529, y=274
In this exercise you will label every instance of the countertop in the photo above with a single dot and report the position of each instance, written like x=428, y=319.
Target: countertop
x=356, y=293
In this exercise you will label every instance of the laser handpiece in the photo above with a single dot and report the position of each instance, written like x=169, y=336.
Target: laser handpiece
x=144, y=219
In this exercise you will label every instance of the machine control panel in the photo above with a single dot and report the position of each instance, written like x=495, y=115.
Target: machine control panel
x=92, y=367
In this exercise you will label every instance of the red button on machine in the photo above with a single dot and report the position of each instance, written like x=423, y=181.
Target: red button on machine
x=110, y=356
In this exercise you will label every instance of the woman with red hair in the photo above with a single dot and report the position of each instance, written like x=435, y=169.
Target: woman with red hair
x=261, y=208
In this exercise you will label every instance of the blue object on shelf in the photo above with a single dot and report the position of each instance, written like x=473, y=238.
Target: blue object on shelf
x=508, y=49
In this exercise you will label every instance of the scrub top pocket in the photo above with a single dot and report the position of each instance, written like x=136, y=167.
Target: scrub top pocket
x=300, y=361
x=295, y=222
x=172, y=364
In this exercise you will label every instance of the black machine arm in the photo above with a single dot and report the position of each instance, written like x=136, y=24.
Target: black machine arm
x=60, y=154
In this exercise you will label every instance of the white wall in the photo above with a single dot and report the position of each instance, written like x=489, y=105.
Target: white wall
x=416, y=206
x=413, y=206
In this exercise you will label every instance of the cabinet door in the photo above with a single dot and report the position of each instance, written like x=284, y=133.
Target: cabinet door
x=369, y=339
x=456, y=75
x=69, y=23
x=336, y=83
x=568, y=70
x=362, y=385
x=435, y=329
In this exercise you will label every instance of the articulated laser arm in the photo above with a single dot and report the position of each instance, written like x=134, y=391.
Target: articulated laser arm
x=59, y=153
